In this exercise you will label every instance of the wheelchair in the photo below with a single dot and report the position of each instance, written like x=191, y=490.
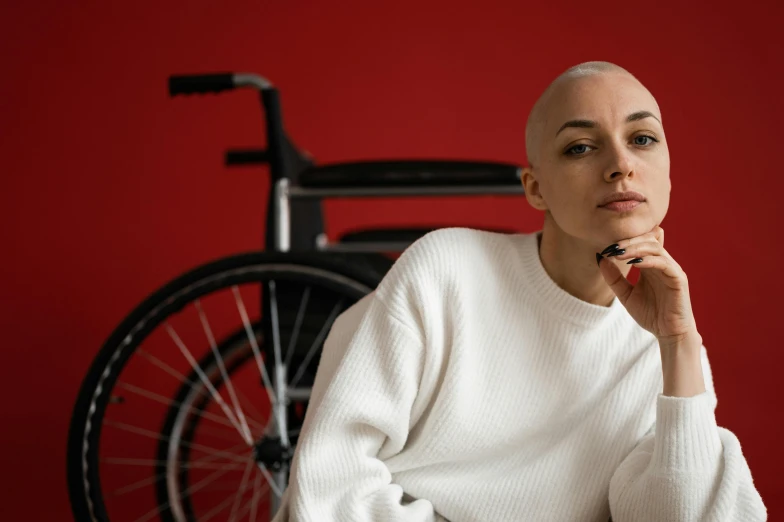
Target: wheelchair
x=192, y=408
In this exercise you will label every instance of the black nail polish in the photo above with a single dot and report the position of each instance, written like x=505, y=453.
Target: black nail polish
x=610, y=248
x=618, y=252
x=635, y=261
x=599, y=259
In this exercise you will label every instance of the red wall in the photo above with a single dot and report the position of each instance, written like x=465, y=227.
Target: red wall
x=109, y=188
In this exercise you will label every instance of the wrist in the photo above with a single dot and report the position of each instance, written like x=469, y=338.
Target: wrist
x=689, y=340
x=682, y=365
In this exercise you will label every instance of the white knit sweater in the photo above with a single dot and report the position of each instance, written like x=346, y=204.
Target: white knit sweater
x=470, y=387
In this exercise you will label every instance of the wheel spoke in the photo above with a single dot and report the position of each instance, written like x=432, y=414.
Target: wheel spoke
x=255, y=500
x=221, y=433
x=241, y=491
x=217, y=509
x=199, y=485
x=151, y=462
x=141, y=483
x=153, y=435
x=303, y=304
x=215, y=395
x=280, y=390
x=236, y=497
x=270, y=480
x=219, y=360
x=200, y=390
x=249, y=504
x=255, y=347
x=165, y=400
x=275, y=323
x=250, y=409
x=138, y=484
x=316, y=343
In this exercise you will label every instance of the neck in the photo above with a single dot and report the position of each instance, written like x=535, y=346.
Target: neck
x=571, y=264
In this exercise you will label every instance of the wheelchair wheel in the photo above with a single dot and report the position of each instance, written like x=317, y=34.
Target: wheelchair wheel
x=192, y=408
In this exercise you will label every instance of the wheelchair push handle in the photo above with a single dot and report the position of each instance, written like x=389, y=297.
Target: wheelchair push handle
x=215, y=83
x=235, y=157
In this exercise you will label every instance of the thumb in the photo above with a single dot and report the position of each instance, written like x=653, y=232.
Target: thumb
x=614, y=278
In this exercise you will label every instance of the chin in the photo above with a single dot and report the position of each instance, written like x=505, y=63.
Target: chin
x=627, y=226
x=620, y=226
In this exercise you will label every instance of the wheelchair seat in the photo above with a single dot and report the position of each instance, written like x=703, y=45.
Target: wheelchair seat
x=386, y=239
x=412, y=173
x=407, y=235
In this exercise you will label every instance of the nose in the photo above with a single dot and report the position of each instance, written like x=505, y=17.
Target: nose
x=620, y=163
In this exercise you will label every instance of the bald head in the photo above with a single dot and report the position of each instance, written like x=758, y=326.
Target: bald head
x=537, y=118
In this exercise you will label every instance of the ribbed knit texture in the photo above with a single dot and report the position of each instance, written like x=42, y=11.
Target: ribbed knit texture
x=470, y=387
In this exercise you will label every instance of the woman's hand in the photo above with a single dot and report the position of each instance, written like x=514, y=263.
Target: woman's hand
x=660, y=301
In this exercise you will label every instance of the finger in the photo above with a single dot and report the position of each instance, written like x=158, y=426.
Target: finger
x=648, y=248
x=670, y=272
x=645, y=251
x=657, y=235
x=612, y=275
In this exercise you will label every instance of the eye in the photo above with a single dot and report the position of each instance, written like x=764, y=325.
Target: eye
x=645, y=137
x=577, y=150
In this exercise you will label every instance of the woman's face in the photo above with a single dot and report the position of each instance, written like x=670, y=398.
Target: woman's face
x=589, y=148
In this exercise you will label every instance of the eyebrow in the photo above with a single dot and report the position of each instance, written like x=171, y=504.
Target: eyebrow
x=590, y=124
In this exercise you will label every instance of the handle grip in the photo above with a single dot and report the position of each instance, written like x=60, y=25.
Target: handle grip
x=246, y=157
x=200, y=83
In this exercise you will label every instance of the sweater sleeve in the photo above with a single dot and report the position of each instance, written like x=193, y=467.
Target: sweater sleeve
x=360, y=413
x=686, y=469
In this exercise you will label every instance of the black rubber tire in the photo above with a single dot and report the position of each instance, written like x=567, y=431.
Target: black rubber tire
x=362, y=273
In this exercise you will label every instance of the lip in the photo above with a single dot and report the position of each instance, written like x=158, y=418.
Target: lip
x=621, y=196
x=622, y=206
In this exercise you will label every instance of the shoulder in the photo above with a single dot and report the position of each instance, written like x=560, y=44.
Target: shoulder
x=442, y=259
x=446, y=250
x=457, y=236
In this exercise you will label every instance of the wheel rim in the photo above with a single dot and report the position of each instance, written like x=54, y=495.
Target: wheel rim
x=101, y=497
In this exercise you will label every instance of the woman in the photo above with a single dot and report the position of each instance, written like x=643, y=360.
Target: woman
x=497, y=377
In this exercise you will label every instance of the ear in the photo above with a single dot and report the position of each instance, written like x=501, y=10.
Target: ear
x=531, y=186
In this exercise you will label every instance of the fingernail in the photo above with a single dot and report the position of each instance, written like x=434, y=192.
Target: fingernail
x=618, y=252
x=610, y=248
x=635, y=261
x=599, y=259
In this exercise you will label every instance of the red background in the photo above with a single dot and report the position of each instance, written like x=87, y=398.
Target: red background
x=110, y=188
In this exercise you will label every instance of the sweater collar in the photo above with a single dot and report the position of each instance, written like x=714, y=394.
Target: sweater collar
x=556, y=299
